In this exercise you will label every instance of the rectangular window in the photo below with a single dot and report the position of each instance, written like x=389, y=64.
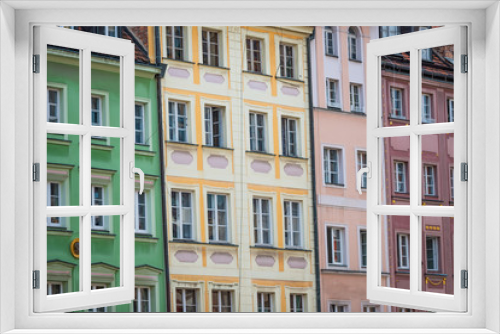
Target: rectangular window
x=257, y=132
x=403, y=251
x=98, y=309
x=213, y=127
x=430, y=180
x=293, y=224
x=54, y=199
x=335, y=244
x=339, y=308
x=140, y=133
x=142, y=300
x=54, y=288
x=387, y=31
x=140, y=212
x=254, y=55
x=211, y=47
x=287, y=60
x=296, y=302
x=451, y=110
x=400, y=176
x=97, y=199
x=452, y=183
x=352, y=40
x=222, y=301
x=356, y=98
x=262, y=221
x=265, y=302
x=432, y=251
x=111, y=31
x=217, y=218
x=330, y=42
x=53, y=105
x=175, y=42
x=363, y=248
x=177, y=121
x=97, y=111
x=182, y=215
x=289, y=136
x=361, y=162
x=397, y=103
x=332, y=91
x=186, y=300
x=371, y=308
x=332, y=162
x=427, y=109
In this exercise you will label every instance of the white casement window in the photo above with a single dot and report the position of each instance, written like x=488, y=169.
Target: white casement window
x=354, y=43
x=356, y=95
x=335, y=243
x=265, y=302
x=371, y=308
x=333, y=166
x=338, y=307
x=388, y=31
x=403, y=251
x=430, y=180
x=452, y=183
x=331, y=41
x=400, y=168
x=397, y=103
x=297, y=303
x=254, y=55
x=97, y=111
x=186, y=300
x=54, y=288
x=177, y=121
x=142, y=300
x=427, y=109
x=175, y=42
x=214, y=127
x=141, y=212
x=98, y=309
x=363, y=249
x=289, y=136
x=262, y=221
x=182, y=215
x=257, y=132
x=287, y=60
x=53, y=105
x=432, y=253
x=54, y=198
x=211, y=46
x=217, y=213
x=140, y=124
x=222, y=301
x=451, y=110
x=293, y=224
x=98, y=194
x=361, y=162
x=332, y=93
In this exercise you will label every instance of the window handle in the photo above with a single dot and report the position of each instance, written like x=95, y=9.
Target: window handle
x=359, y=175
x=135, y=170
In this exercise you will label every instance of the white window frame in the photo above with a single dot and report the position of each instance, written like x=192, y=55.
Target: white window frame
x=260, y=302
x=451, y=109
x=257, y=216
x=175, y=125
x=183, y=292
x=332, y=89
x=333, y=306
x=362, y=162
x=328, y=172
x=209, y=125
x=99, y=110
x=288, y=228
x=209, y=52
x=388, y=31
x=288, y=147
x=172, y=38
x=403, y=252
x=250, y=61
x=402, y=173
x=57, y=104
x=427, y=109
x=94, y=203
x=284, y=69
x=60, y=200
x=331, y=41
x=362, y=231
x=435, y=248
x=397, y=112
x=216, y=211
x=356, y=97
x=330, y=242
x=180, y=223
x=293, y=302
x=354, y=43
x=97, y=286
x=254, y=131
x=139, y=300
x=219, y=299
x=430, y=180
x=145, y=196
x=142, y=121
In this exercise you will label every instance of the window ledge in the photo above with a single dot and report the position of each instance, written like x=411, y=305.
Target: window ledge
x=179, y=143
x=290, y=79
x=355, y=60
x=292, y=157
x=333, y=270
x=214, y=66
x=357, y=112
x=62, y=231
x=145, y=153
x=401, y=119
x=218, y=148
x=103, y=234
x=331, y=55
x=102, y=147
x=194, y=242
x=269, y=247
x=56, y=141
x=430, y=273
x=146, y=238
x=336, y=185
x=178, y=60
x=258, y=73
x=261, y=153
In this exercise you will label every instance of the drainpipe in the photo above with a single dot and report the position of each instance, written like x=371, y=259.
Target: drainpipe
x=313, y=173
x=159, y=103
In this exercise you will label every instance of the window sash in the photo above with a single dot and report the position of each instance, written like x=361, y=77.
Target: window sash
x=451, y=110
x=296, y=302
x=330, y=42
x=403, y=251
x=257, y=132
x=213, y=127
x=175, y=42
x=222, y=301
x=210, y=47
x=287, y=61
x=400, y=174
x=339, y=308
x=361, y=162
x=254, y=55
x=355, y=98
x=142, y=300
x=430, y=180
x=332, y=166
x=98, y=194
x=353, y=47
x=336, y=246
x=140, y=132
x=363, y=248
x=265, y=302
x=397, y=103
x=96, y=111
x=182, y=215
x=218, y=221
x=182, y=296
x=141, y=210
x=432, y=253
x=289, y=136
x=262, y=213
x=427, y=109
x=293, y=224
x=332, y=93
x=177, y=121
x=53, y=105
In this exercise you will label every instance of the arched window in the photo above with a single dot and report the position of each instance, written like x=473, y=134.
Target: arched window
x=331, y=48
x=354, y=43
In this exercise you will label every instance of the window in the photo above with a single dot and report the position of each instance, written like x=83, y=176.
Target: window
x=289, y=136
x=334, y=307
x=265, y=302
x=361, y=160
x=430, y=180
x=354, y=47
x=287, y=60
x=332, y=93
x=451, y=110
x=211, y=47
x=293, y=224
x=182, y=215
x=53, y=105
x=98, y=309
x=432, y=252
x=54, y=199
x=97, y=199
x=111, y=31
x=452, y=185
x=254, y=55
x=262, y=221
x=296, y=303
x=362, y=248
x=185, y=300
x=141, y=213
x=222, y=301
x=388, y=31
x=142, y=300
x=175, y=42
x=335, y=244
x=177, y=121
x=54, y=288
x=97, y=111
x=214, y=127
x=397, y=103
x=427, y=109
x=217, y=218
x=426, y=53
x=400, y=176
x=331, y=41
x=403, y=251
x=356, y=98
x=371, y=308
x=140, y=136
x=257, y=132
x=333, y=165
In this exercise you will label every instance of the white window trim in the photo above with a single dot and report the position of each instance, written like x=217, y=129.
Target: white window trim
x=399, y=237
x=147, y=121
x=345, y=303
x=180, y=207
x=147, y=208
x=176, y=121
x=362, y=229
x=172, y=37
x=337, y=103
x=359, y=165
x=259, y=223
x=301, y=224
x=216, y=218
x=255, y=115
x=360, y=108
x=405, y=176
x=139, y=300
x=342, y=167
x=333, y=31
x=344, y=246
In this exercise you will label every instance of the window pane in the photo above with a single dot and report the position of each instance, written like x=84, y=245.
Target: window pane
x=105, y=84
x=105, y=247
x=395, y=71
x=394, y=175
x=106, y=174
x=398, y=229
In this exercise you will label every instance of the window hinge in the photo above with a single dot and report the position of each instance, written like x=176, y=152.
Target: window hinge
x=36, y=63
x=36, y=172
x=36, y=279
x=464, y=172
x=465, y=279
x=465, y=63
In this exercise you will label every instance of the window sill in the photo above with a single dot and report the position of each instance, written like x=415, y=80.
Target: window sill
x=218, y=148
x=334, y=108
x=179, y=143
x=290, y=79
x=331, y=55
x=146, y=238
x=102, y=147
x=178, y=60
x=396, y=118
x=56, y=141
x=261, y=153
x=102, y=234
x=60, y=231
x=293, y=157
x=258, y=73
x=194, y=242
x=215, y=66
x=355, y=60
x=335, y=185
x=357, y=112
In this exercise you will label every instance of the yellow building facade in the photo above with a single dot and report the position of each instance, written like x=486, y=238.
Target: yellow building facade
x=238, y=169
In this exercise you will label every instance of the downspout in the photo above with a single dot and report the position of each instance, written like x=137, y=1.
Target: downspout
x=313, y=174
x=159, y=103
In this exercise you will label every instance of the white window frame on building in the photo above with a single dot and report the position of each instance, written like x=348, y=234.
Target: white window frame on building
x=219, y=306
x=403, y=243
x=265, y=302
x=255, y=55
x=292, y=229
x=432, y=253
x=51, y=221
x=287, y=64
x=362, y=162
x=397, y=103
x=216, y=225
x=51, y=285
x=430, y=179
x=97, y=109
x=388, y=31
x=331, y=42
x=363, y=248
x=336, y=246
x=174, y=51
x=56, y=118
x=214, y=129
x=141, y=220
x=333, y=93
x=98, y=286
x=400, y=171
x=140, y=119
x=427, y=111
x=211, y=57
x=451, y=110
x=333, y=166
x=297, y=302
x=139, y=299
x=179, y=221
x=99, y=202
x=356, y=97
x=339, y=306
x=258, y=132
x=175, y=120
x=289, y=136
x=354, y=43
x=258, y=219
x=184, y=305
